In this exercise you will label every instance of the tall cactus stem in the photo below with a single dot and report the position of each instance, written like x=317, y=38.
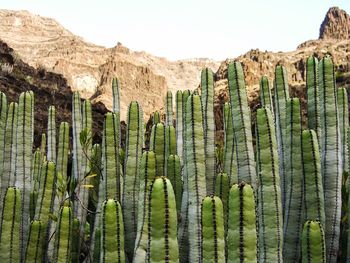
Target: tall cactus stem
x=313, y=243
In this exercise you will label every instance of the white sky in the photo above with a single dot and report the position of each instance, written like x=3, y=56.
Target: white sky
x=179, y=29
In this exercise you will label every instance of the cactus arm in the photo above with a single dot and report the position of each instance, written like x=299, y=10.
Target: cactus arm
x=162, y=223
x=169, y=108
x=77, y=127
x=51, y=135
x=313, y=243
x=63, y=148
x=179, y=124
x=156, y=117
x=116, y=95
x=174, y=175
x=34, y=249
x=265, y=94
x=158, y=146
x=343, y=111
x=241, y=124
x=3, y=118
x=268, y=192
x=63, y=237
x=170, y=141
x=222, y=189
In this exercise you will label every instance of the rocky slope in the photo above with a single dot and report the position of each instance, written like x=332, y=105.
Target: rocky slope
x=89, y=68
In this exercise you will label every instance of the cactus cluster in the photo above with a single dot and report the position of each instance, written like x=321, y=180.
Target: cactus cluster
x=273, y=195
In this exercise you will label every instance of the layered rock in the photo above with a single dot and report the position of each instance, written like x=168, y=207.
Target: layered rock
x=336, y=25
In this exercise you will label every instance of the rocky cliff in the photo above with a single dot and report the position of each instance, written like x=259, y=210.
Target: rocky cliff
x=336, y=25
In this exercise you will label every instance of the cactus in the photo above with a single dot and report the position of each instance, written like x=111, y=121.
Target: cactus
x=36, y=169
x=24, y=143
x=331, y=162
x=51, y=135
x=147, y=176
x=43, y=147
x=162, y=223
x=3, y=117
x=169, y=109
x=179, y=124
x=112, y=234
x=207, y=98
x=174, y=175
x=156, y=117
x=313, y=96
x=265, y=94
x=293, y=216
x=343, y=111
x=281, y=95
x=313, y=187
x=313, y=243
x=222, y=189
x=170, y=142
x=241, y=233
x=230, y=163
x=134, y=141
x=268, y=193
x=241, y=124
x=110, y=158
x=63, y=236
x=158, y=146
x=213, y=232
x=62, y=152
x=116, y=95
x=10, y=238
x=34, y=251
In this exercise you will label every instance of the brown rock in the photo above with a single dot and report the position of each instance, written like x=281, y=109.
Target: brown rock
x=336, y=25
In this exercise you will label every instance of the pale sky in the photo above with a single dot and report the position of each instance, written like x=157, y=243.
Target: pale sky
x=180, y=29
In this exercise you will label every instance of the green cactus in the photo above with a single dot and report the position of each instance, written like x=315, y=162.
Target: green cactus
x=76, y=240
x=112, y=236
x=36, y=169
x=34, y=251
x=10, y=238
x=270, y=220
x=63, y=237
x=331, y=161
x=222, y=189
x=77, y=128
x=313, y=186
x=293, y=216
x=230, y=163
x=51, y=135
x=313, y=96
x=147, y=176
x=156, y=117
x=241, y=124
x=3, y=117
x=116, y=95
x=343, y=111
x=213, y=232
x=170, y=142
x=134, y=141
x=174, y=175
x=158, y=146
x=207, y=98
x=162, y=223
x=179, y=124
x=62, y=151
x=169, y=109
x=313, y=243
x=265, y=94
x=281, y=95
x=43, y=147
x=241, y=233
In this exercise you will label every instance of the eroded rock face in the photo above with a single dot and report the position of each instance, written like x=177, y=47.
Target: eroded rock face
x=336, y=25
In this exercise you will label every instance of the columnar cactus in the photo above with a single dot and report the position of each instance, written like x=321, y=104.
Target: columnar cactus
x=313, y=96
x=63, y=236
x=241, y=233
x=116, y=95
x=34, y=251
x=170, y=142
x=179, y=124
x=293, y=216
x=134, y=141
x=62, y=152
x=313, y=185
x=222, y=189
x=77, y=128
x=25, y=127
x=158, y=146
x=213, y=232
x=343, y=111
x=207, y=98
x=3, y=117
x=10, y=238
x=169, y=109
x=147, y=176
x=230, y=163
x=156, y=117
x=331, y=161
x=269, y=192
x=174, y=175
x=281, y=95
x=241, y=124
x=313, y=243
x=265, y=94
x=43, y=147
x=112, y=235
x=36, y=169
x=162, y=223
x=51, y=134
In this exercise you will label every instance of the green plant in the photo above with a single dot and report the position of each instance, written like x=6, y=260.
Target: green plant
x=158, y=146
x=313, y=243
x=169, y=109
x=265, y=94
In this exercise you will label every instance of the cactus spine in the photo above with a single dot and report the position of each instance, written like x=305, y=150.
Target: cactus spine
x=343, y=111
x=174, y=175
x=268, y=192
x=169, y=109
x=116, y=95
x=158, y=146
x=112, y=238
x=10, y=238
x=213, y=232
x=51, y=135
x=331, y=162
x=313, y=186
x=241, y=233
x=162, y=223
x=313, y=243
x=179, y=124
x=241, y=124
x=134, y=141
x=265, y=94
x=34, y=250
x=207, y=98
x=63, y=236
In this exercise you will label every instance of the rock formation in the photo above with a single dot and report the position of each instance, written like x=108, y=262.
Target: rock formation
x=336, y=25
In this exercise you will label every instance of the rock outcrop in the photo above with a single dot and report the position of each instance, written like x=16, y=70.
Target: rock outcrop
x=336, y=25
